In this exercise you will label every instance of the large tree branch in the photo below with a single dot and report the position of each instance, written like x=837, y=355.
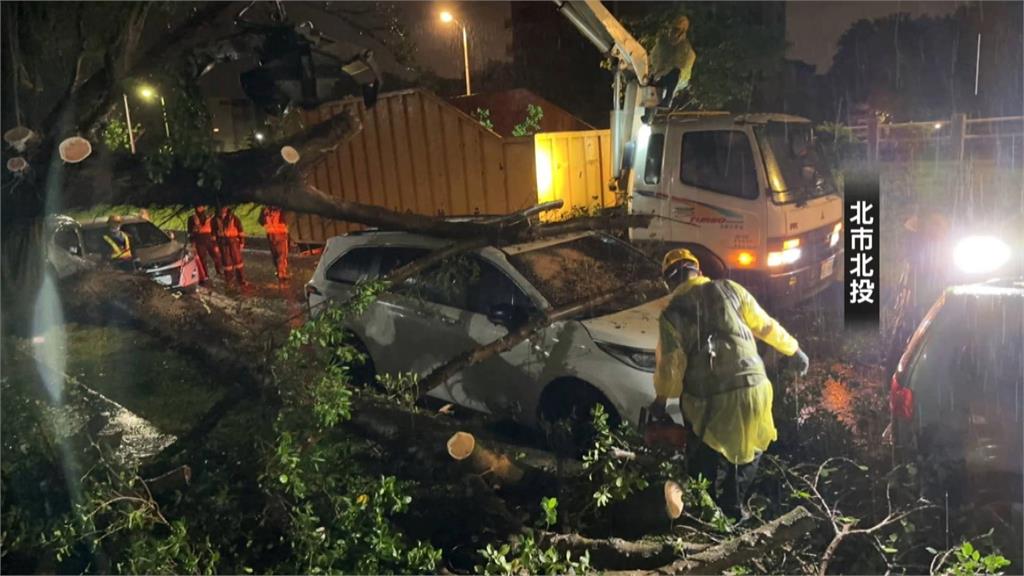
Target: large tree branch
x=514, y=337
x=740, y=549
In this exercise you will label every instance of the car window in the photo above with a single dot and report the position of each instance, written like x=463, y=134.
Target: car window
x=720, y=161
x=66, y=239
x=354, y=266
x=145, y=234
x=491, y=288
x=94, y=243
x=970, y=356
x=652, y=165
x=468, y=283
x=369, y=262
x=394, y=257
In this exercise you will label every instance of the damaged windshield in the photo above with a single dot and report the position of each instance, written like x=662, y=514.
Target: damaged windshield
x=579, y=270
x=793, y=160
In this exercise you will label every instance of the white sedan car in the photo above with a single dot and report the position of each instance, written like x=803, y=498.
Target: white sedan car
x=604, y=356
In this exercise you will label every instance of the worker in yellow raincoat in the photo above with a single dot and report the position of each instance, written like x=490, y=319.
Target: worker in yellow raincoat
x=707, y=357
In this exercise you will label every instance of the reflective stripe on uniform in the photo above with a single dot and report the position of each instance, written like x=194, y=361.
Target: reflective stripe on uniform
x=120, y=252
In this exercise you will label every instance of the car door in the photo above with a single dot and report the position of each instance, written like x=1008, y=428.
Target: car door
x=452, y=302
x=385, y=326
x=716, y=190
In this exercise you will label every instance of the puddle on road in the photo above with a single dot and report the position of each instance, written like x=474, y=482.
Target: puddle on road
x=124, y=389
x=142, y=375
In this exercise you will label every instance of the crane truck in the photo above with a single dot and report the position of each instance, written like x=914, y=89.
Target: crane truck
x=745, y=192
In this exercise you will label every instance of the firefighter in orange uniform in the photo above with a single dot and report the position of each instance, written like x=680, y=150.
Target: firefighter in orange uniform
x=200, y=232
x=272, y=219
x=227, y=227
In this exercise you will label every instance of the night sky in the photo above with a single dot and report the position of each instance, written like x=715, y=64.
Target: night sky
x=813, y=27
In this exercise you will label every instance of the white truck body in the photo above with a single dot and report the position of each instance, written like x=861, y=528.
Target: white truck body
x=745, y=192
x=718, y=185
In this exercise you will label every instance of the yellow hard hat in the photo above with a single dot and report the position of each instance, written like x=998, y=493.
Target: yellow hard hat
x=114, y=219
x=677, y=255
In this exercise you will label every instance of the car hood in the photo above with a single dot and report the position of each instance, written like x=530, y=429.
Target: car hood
x=161, y=254
x=635, y=327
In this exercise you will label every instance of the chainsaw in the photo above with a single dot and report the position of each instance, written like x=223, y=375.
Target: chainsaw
x=662, y=432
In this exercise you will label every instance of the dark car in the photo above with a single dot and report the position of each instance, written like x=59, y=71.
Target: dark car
x=169, y=262
x=957, y=401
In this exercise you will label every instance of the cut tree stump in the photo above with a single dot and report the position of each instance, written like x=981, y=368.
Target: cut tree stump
x=464, y=448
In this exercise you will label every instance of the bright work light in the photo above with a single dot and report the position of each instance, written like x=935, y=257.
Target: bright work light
x=980, y=254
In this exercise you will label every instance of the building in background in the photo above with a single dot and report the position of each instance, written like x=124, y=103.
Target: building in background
x=509, y=107
x=235, y=122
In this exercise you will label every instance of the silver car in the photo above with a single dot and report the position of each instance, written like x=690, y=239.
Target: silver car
x=605, y=356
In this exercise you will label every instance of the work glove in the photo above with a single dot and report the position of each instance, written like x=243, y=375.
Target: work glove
x=801, y=362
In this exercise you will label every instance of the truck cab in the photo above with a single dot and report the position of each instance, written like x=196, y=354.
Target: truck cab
x=748, y=193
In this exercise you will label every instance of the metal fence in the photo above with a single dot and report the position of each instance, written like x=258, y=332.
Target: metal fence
x=999, y=140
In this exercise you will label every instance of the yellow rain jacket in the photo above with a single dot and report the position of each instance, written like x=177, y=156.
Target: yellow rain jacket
x=734, y=420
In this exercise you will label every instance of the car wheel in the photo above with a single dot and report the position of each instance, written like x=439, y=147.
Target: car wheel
x=565, y=415
x=362, y=374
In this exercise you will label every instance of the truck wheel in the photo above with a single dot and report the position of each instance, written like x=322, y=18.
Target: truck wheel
x=565, y=415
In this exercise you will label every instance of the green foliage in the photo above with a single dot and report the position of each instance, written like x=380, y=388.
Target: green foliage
x=615, y=478
x=115, y=512
x=525, y=556
x=733, y=49
x=72, y=500
x=970, y=561
x=340, y=518
x=115, y=135
x=549, y=506
x=531, y=124
x=402, y=388
x=702, y=506
x=159, y=164
x=483, y=116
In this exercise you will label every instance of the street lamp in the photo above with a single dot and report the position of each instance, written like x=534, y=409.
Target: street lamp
x=148, y=94
x=448, y=18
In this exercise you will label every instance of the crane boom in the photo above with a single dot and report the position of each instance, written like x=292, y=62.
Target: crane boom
x=630, y=93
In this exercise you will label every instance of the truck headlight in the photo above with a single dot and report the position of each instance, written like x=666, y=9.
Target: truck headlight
x=980, y=254
x=638, y=358
x=836, y=234
x=789, y=254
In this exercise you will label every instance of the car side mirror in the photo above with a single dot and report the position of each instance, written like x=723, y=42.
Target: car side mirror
x=508, y=315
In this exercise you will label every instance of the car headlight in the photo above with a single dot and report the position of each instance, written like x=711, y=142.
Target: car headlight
x=980, y=254
x=638, y=358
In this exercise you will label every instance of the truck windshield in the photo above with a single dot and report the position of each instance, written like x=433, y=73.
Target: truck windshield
x=569, y=273
x=793, y=161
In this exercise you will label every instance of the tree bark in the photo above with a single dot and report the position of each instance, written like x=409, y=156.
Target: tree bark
x=750, y=545
x=619, y=554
